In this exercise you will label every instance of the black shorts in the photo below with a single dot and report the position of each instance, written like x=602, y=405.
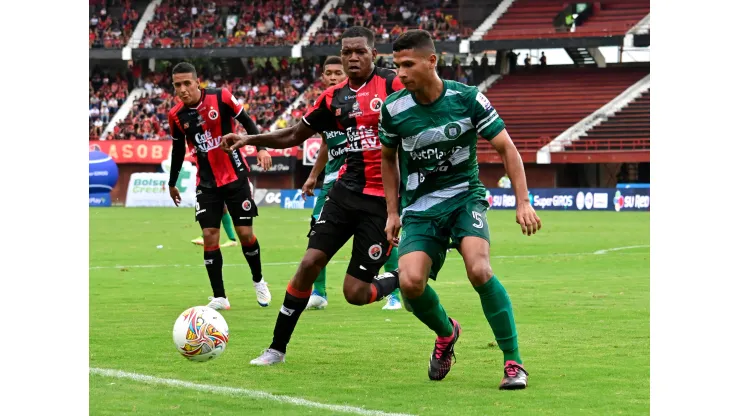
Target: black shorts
x=237, y=196
x=347, y=213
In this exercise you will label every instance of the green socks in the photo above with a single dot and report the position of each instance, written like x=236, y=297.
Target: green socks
x=319, y=285
x=497, y=309
x=391, y=265
x=228, y=226
x=429, y=311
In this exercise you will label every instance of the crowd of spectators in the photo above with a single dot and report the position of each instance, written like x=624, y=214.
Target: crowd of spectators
x=107, y=93
x=388, y=19
x=267, y=89
x=111, y=23
x=222, y=23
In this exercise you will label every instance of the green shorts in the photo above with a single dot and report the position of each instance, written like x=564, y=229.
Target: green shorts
x=435, y=235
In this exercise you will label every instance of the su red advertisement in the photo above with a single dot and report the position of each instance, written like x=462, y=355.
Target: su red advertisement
x=155, y=151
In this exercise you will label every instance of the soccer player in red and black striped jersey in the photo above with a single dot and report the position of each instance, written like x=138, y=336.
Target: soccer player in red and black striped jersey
x=202, y=118
x=355, y=206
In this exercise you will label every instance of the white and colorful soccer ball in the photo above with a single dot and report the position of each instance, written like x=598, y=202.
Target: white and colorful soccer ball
x=200, y=333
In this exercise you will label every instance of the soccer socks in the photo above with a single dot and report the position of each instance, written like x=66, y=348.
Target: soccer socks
x=214, y=266
x=252, y=254
x=228, y=226
x=319, y=286
x=498, y=311
x=429, y=311
x=380, y=288
x=293, y=305
x=392, y=263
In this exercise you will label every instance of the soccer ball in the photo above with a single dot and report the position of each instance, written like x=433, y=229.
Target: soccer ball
x=200, y=333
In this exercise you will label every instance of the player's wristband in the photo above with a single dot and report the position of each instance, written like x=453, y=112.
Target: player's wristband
x=260, y=148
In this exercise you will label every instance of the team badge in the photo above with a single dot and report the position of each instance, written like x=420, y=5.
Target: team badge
x=375, y=104
x=247, y=205
x=375, y=251
x=186, y=125
x=213, y=114
x=452, y=130
x=338, y=112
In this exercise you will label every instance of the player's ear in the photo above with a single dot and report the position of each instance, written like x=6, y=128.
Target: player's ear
x=375, y=54
x=433, y=60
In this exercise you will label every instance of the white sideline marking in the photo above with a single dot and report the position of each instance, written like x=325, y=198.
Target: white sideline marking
x=233, y=391
x=295, y=263
x=619, y=248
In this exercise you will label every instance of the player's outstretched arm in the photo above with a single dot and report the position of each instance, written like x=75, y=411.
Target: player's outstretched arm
x=318, y=167
x=525, y=214
x=278, y=139
x=391, y=178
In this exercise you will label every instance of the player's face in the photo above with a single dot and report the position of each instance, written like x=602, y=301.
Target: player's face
x=186, y=87
x=415, y=67
x=357, y=58
x=333, y=74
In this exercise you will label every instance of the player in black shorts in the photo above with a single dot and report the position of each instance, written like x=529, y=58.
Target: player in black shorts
x=201, y=118
x=355, y=206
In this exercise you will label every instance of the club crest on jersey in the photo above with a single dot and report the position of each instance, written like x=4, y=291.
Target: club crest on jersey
x=356, y=112
x=375, y=104
x=247, y=205
x=375, y=251
x=452, y=130
x=213, y=114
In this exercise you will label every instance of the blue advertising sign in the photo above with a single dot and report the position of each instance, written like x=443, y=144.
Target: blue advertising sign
x=575, y=199
x=293, y=199
x=103, y=177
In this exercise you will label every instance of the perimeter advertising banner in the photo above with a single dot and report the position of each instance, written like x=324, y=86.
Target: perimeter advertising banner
x=575, y=199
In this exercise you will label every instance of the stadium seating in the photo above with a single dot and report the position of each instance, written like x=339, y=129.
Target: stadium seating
x=107, y=94
x=264, y=91
x=535, y=18
x=113, y=21
x=389, y=19
x=220, y=23
x=539, y=104
x=628, y=129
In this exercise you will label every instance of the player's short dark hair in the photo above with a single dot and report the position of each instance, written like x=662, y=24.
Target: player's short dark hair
x=414, y=39
x=332, y=60
x=360, y=32
x=185, y=68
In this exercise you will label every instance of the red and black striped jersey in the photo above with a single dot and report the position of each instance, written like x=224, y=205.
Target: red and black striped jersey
x=356, y=112
x=202, y=126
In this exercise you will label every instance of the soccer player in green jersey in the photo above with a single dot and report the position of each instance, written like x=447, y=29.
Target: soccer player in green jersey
x=331, y=157
x=430, y=131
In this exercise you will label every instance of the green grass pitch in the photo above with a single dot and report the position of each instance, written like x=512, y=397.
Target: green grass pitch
x=582, y=313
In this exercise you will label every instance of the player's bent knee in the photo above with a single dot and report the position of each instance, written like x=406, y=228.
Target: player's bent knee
x=480, y=272
x=412, y=283
x=355, y=296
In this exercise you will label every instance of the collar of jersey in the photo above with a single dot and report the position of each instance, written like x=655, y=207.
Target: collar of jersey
x=441, y=96
x=202, y=97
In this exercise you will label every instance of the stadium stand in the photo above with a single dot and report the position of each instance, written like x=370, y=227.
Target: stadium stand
x=107, y=94
x=113, y=21
x=538, y=105
x=265, y=89
x=389, y=18
x=628, y=129
x=535, y=18
x=221, y=23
